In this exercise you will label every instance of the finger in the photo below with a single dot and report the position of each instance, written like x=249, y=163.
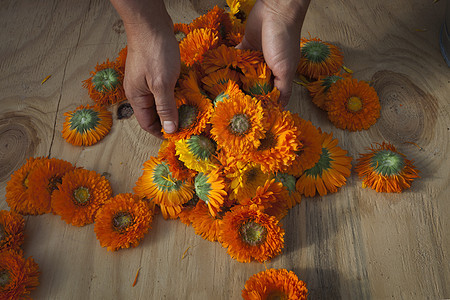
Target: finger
x=284, y=84
x=145, y=112
x=166, y=109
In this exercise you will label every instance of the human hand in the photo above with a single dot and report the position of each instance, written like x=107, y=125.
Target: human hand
x=153, y=64
x=274, y=27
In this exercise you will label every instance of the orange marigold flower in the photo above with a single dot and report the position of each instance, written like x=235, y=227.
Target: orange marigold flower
x=274, y=284
x=236, y=34
x=186, y=213
x=80, y=195
x=86, y=125
x=222, y=91
x=277, y=149
x=329, y=173
x=251, y=234
x=204, y=224
x=353, y=105
x=11, y=230
x=290, y=194
x=215, y=19
x=257, y=80
x=311, y=147
x=319, y=58
x=176, y=166
x=181, y=30
x=196, y=44
x=238, y=124
x=384, y=169
x=105, y=86
x=18, y=276
x=44, y=179
x=193, y=114
x=122, y=222
x=158, y=184
x=221, y=78
x=190, y=85
x=122, y=58
x=319, y=89
x=210, y=188
x=17, y=188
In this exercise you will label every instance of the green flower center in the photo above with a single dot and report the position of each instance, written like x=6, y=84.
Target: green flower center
x=202, y=187
x=323, y=164
x=287, y=180
x=240, y=124
x=187, y=114
x=387, y=163
x=163, y=179
x=81, y=195
x=354, y=104
x=315, y=51
x=328, y=81
x=220, y=98
x=105, y=80
x=260, y=89
x=252, y=233
x=277, y=295
x=122, y=220
x=268, y=142
x=53, y=183
x=4, y=278
x=179, y=35
x=84, y=120
x=201, y=147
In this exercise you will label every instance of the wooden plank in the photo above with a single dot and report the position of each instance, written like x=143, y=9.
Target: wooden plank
x=355, y=244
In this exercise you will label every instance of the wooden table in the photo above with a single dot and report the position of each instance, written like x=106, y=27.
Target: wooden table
x=355, y=244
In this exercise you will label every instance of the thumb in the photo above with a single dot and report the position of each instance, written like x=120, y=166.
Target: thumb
x=284, y=85
x=167, y=110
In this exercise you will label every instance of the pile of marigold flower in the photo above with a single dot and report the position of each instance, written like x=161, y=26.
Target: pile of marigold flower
x=236, y=165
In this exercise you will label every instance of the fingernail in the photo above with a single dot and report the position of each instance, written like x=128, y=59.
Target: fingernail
x=169, y=126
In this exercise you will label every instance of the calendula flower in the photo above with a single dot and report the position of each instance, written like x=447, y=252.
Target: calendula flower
x=105, y=86
x=232, y=58
x=222, y=91
x=177, y=168
x=274, y=284
x=353, y=105
x=157, y=184
x=210, y=188
x=204, y=224
x=240, y=9
x=11, y=230
x=236, y=34
x=17, y=188
x=122, y=222
x=186, y=213
x=245, y=179
x=319, y=89
x=329, y=173
x=198, y=153
x=238, y=124
x=290, y=194
x=190, y=85
x=193, y=114
x=80, y=195
x=319, y=58
x=122, y=58
x=279, y=146
x=86, y=125
x=18, y=276
x=384, y=169
x=181, y=30
x=215, y=19
x=251, y=234
x=257, y=80
x=220, y=77
x=196, y=44
x=311, y=147
x=44, y=179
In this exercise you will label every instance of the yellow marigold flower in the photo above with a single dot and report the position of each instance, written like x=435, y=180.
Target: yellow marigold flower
x=198, y=153
x=210, y=188
x=384, y=169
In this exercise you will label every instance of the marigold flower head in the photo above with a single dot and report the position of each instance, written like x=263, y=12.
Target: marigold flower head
x=329, y=173
x=206, y=225
x=245, y=179
x=236, y=34
x=198, y=153
x=257, y=80
x=215, y=19
x=220, y=77
x=353, y=105
x=319, y=58
x=290, y=193
x=240, y=9
x=157, y=184
x=181, y=30
x=185, y=215
x=80, y=195
x=196, y=44
x=319, y=89
x=251, y=234
x=11, y=230
x=210, y=188
x=86, y=125
x=105, y=86
x=274, y=284
x=17, y=188
x=44, y=179
x=223, y=91
x=18, y=276
x=122, y=222
x=177, y=168
x=384, y=169
x=232, y=58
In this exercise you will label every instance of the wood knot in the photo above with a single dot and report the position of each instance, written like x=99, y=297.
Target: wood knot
x=407, y=112
x=18, y=141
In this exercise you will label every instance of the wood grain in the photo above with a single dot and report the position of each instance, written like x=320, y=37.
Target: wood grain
x=355, y=244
